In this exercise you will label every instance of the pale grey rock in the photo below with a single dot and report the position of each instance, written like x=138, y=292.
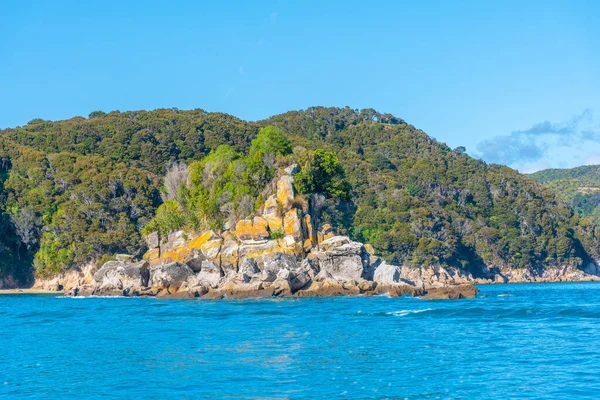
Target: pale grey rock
x=153, y=240
x=194, y=260
x=278, y=261
x=249, y=267
x=124, y=258
x=387, y=274
x=344, y=259
x=292, y=170
x=176, y=239
x=169, y=276
x=119, y=275
x=209, y=275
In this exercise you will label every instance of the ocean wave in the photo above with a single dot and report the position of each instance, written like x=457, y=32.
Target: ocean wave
x=403, y=313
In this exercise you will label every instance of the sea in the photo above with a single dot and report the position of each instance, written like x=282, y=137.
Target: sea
x=519, y=341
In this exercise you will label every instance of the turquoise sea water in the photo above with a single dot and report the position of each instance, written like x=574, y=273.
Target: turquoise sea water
x=514, y=341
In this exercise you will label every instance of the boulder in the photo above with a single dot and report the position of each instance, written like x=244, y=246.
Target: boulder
x=387, y=274
x=169, y=276
x=325, y=233
x=452, y=292
x=299, y=279
x=209, y=275
x=278, y=261
x=126, y=258
x=118, y=275
x=211, y=247
x=194, y=260
x=343, y=259
x=266, y=250
x=249, y=267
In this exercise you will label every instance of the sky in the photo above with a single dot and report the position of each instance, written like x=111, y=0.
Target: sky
x=515, y=82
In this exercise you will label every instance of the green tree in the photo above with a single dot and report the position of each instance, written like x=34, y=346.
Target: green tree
x=324, y=174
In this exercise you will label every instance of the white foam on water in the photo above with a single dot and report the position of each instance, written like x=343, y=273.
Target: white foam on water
x=403, y=313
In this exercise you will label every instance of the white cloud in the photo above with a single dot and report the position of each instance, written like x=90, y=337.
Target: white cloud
x=546, y=144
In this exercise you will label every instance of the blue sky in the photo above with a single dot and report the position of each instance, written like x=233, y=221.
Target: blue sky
x=515, y=82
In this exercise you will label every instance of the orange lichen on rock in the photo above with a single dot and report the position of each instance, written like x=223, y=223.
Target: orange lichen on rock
x=285, y=192
x=256, y=229
x=152, y=256
x=292, y=225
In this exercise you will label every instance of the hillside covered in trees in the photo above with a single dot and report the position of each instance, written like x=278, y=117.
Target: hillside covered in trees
x=84, y=189
x=580, y=187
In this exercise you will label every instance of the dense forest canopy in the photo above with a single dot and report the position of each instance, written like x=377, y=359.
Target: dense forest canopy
x=76, y=191
x=580, y=187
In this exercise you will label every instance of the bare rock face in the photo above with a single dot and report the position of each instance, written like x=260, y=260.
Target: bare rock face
x=292, y=225
x=272, y=216
x=252, y=229
x=387, y=274
x=285, y=192
x=176, y=239
x=292, y=170
x=169, y=276
x=343, y=259
x=115, y=277
x=74, y=277
x=249, y=267
x=209, y=275
x=229, y=255
x=153, y=240
x=279, y=261
x=194, y=260
x=211, y=247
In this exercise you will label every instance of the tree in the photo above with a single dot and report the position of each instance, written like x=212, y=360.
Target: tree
x=271, y=139
x=177, y=176
x=324, y=174
x=27, y=225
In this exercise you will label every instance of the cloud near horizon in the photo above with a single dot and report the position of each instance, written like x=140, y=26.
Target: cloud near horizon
x=536, y=147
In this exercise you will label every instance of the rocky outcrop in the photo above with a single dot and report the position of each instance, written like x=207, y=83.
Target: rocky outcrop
x=343, y=259
x=452, y=292
x=282, y=252
x=387, y=274
x=123, y=273
x=169, y=276
x=75, y=277
x=336, y=267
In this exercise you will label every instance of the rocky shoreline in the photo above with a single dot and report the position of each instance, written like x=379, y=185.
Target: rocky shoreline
x=282, y=251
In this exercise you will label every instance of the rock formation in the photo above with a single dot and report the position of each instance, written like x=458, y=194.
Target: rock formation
x=277, y=253
x=281, y=253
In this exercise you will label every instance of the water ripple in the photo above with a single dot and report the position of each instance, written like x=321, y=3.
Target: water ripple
x=529, y=341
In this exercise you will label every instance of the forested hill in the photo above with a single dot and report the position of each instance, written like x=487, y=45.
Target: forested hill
x=78, y=190
x=580, y=187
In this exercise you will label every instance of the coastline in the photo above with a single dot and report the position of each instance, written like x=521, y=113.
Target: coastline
x=18, y=291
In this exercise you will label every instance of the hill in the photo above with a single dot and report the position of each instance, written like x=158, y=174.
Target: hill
x=81, y=190
x=580, y=187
